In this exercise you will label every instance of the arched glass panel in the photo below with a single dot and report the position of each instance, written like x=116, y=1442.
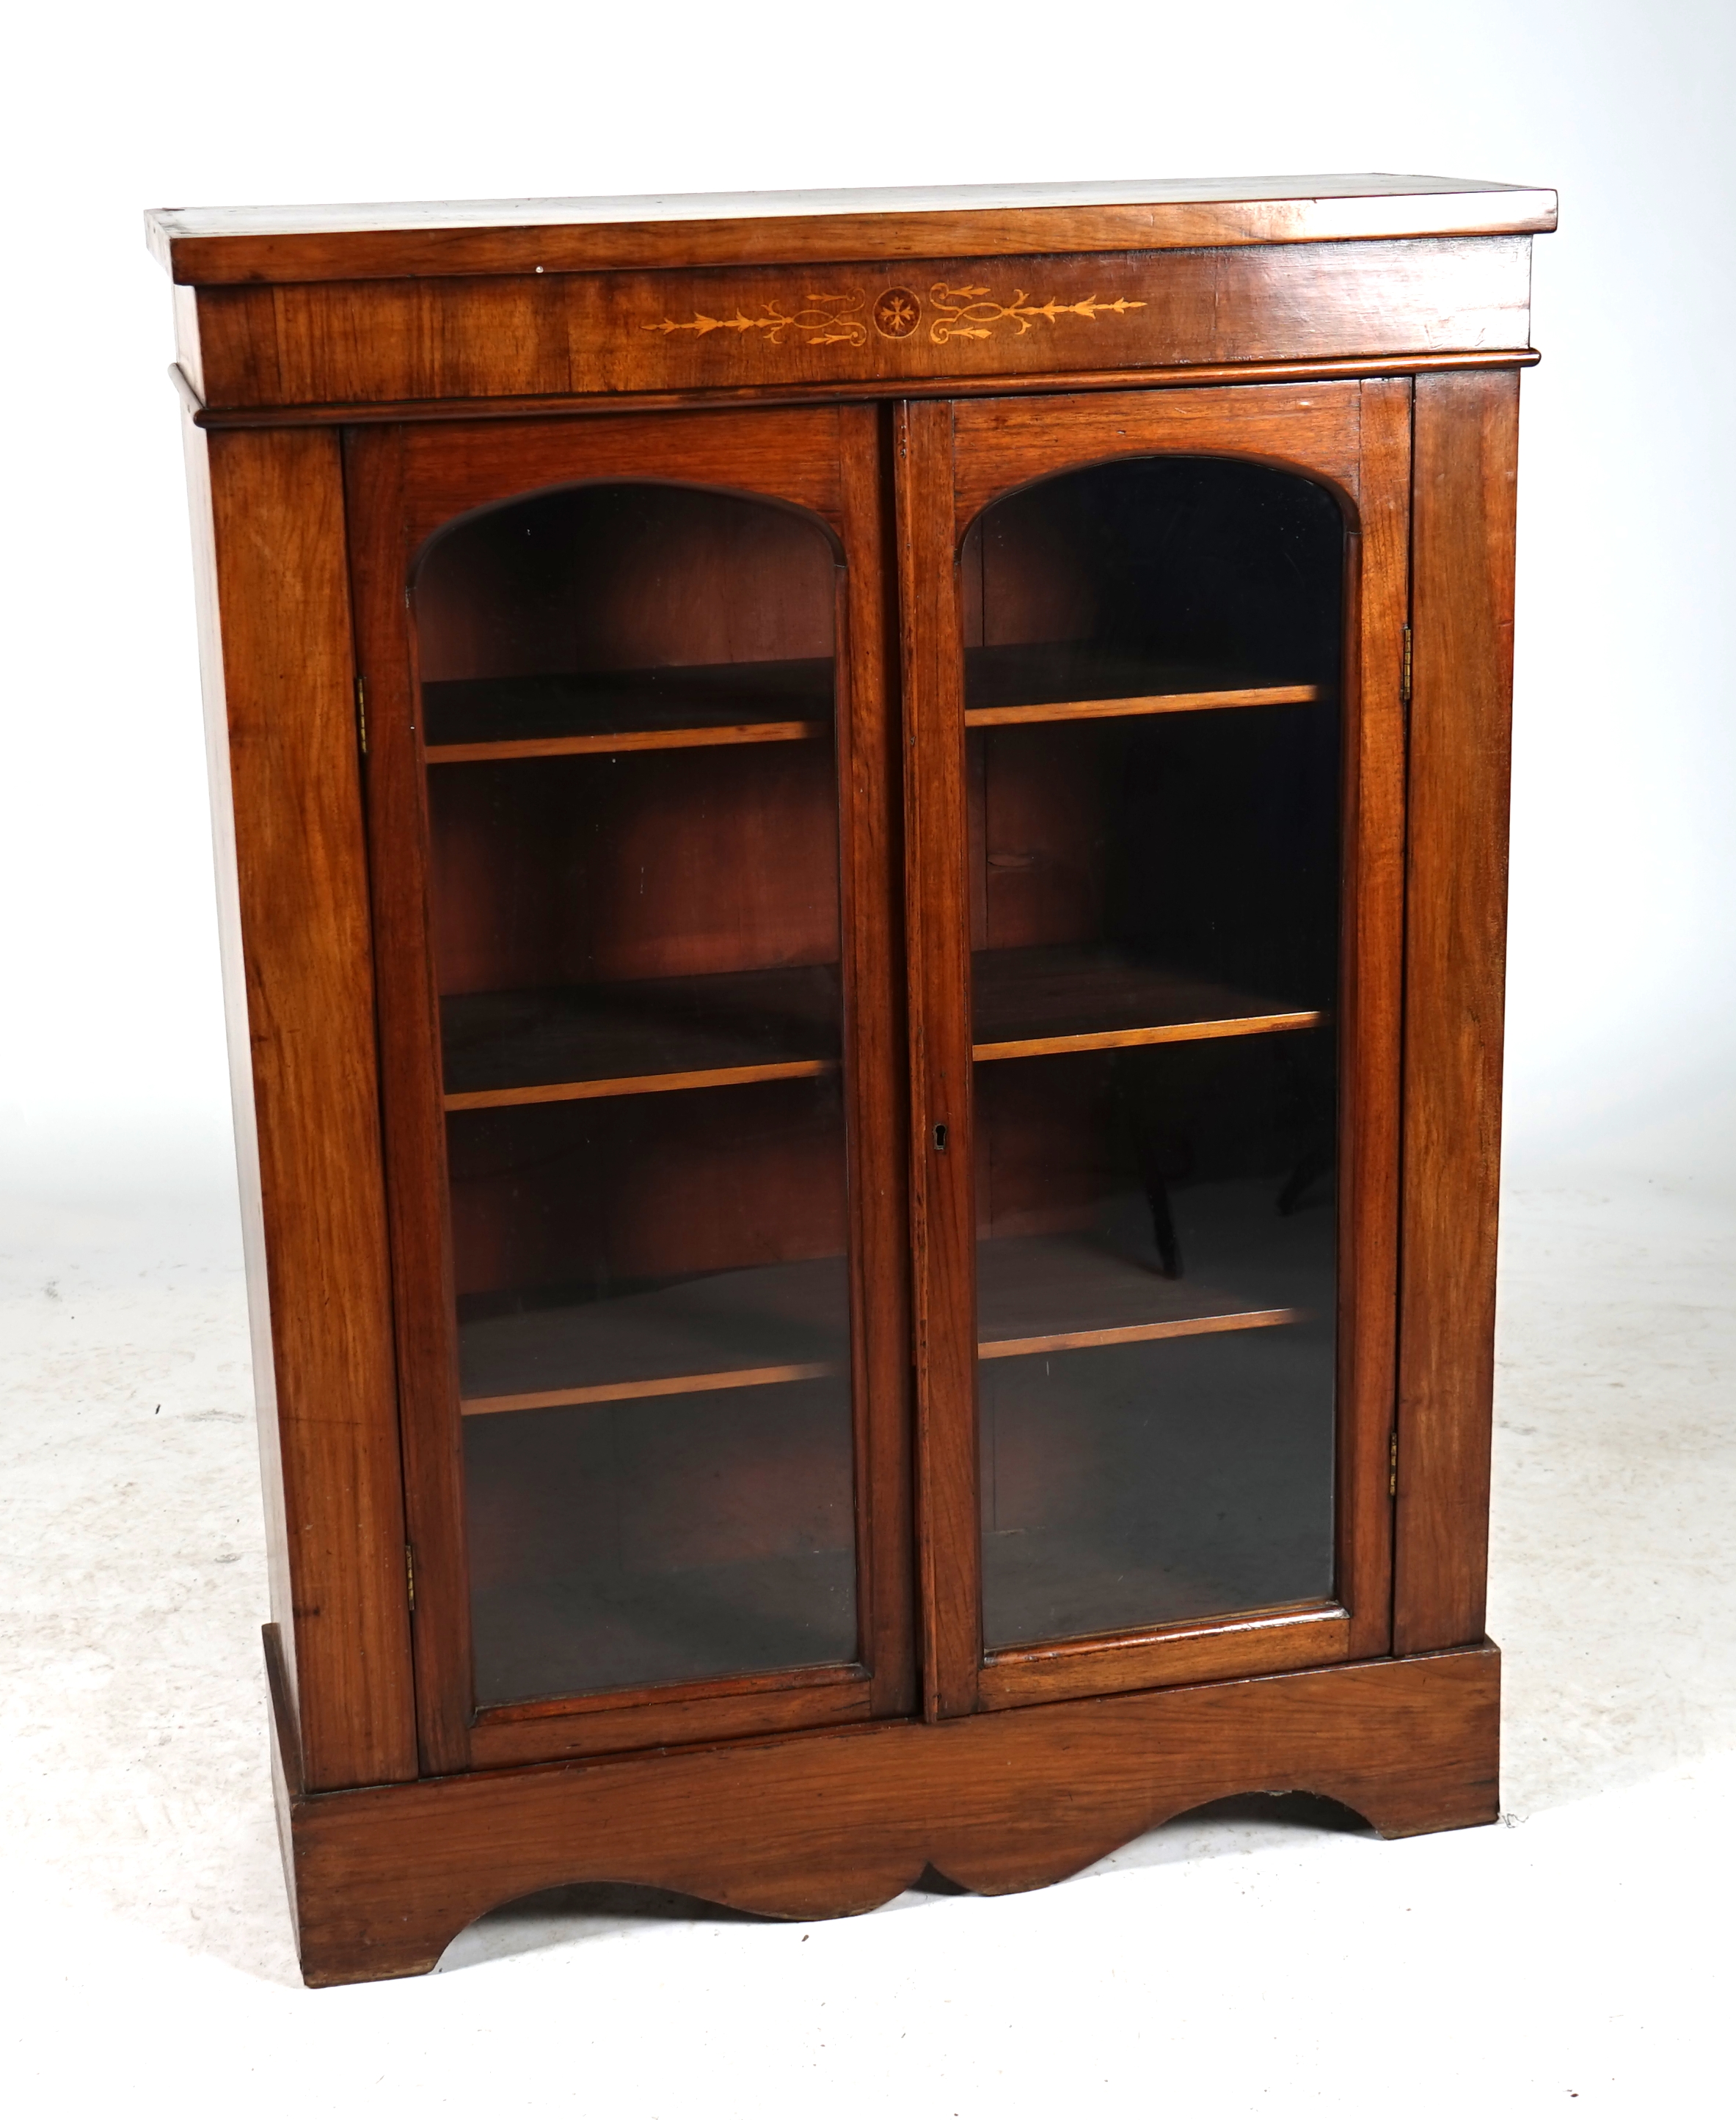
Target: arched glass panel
x=1151, y=662
x=627, y=716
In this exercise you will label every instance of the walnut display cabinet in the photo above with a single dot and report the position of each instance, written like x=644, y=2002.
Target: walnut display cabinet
x=861, y=843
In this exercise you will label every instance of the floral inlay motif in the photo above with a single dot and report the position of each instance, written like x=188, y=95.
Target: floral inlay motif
x=970, y=313
x=965, y=311
x=822, y=320
x=897, y=312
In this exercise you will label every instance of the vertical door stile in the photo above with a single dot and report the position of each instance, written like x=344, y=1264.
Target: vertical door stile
x=1378, y=583
x=942, y=1202
x=869, y=766
x=414, y=1129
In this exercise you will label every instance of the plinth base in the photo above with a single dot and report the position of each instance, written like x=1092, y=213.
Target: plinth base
x=835, y=1822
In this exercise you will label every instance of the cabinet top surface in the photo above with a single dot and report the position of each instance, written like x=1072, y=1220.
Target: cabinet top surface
x=218, y=245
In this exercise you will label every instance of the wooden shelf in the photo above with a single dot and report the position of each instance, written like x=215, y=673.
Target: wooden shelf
x=1248, y=1268
x=769, y=1325
x=470, y=721
x=549, y=1044
x=785, y=1372
x=673, y=739
x=638, y=1085
x=757, y=1325
x=1076, y=680
x=1122, y=1335
x=1150, y=703
x=1088, y=997
x=553, y=1044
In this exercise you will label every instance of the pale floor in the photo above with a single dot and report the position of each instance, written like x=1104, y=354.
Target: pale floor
x=1574, y=1957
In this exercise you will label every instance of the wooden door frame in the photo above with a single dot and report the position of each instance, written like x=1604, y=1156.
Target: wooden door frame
x=952, y=460
x=403, y=482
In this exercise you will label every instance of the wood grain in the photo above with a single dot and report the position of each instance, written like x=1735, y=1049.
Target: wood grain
x=403, y=488
x=1336, y=328
x=358, y=342
x=1082, y=995
x=282, y=700
x=943, y=1219
x=1466, y=462
x=642, y=1030
x=835, y=1822
x=877, y=1083
x=442, y=411
x=583, y=746
x=744, y=1178
x=1117, y=1336
x=599, y=874
x=635, y=1085
x=1160, y=1034
x=1193, y=1654
x=674, y=605
x=280, y=1632
x=267, y=245
x=789, y=456
x=415, y=1128
x=1370, y=979
x=741, y=1706
x=1067, y=1292
x=1160, y=702
x=604, y=1707
x=1354, y=436
x=1314, y=428
x=784, y=1372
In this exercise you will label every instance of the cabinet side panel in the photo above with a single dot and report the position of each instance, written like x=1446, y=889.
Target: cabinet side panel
x=240, y=1074
x=1466, y=438
x=190, y=359
x=300, y=915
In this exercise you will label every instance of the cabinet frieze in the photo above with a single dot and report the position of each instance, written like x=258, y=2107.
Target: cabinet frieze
x=365, y=341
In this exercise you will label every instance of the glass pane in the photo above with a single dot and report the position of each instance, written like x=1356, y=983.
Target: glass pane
x=632, y=801
x=1151, y=700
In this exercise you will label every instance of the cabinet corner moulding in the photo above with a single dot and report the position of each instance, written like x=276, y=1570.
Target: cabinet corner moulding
x=878, y=1216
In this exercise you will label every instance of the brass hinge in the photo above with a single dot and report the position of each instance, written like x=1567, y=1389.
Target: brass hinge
x=361, y=714
x=1405, y=678
x=409, y=1575
x=1392, y=1464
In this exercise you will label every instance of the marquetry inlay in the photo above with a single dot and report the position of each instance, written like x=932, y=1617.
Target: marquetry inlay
x=955, y=312
x=822, y=320
x=971, y=312
x=897, y=313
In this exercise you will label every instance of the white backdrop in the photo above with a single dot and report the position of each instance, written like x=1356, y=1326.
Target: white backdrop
x=1623, y=977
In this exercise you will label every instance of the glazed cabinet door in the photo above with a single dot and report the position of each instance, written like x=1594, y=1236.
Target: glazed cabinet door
x=1153, y=650
x=628, y=768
